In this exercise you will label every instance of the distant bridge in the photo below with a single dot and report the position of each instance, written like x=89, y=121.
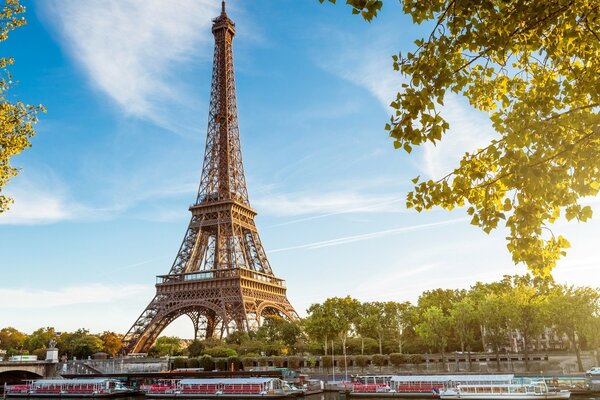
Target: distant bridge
x=15, y=372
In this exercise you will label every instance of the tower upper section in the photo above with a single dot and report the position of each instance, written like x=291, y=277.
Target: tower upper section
x=223, y=171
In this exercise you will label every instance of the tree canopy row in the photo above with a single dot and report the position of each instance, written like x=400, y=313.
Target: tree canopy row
x=512, y=314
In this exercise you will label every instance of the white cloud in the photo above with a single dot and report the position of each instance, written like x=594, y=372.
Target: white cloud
x=68, y=296
x=39, y=200
x=132, y=50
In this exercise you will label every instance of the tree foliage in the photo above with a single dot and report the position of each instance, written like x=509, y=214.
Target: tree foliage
x=11, y=339
x=17, y=119
x=534, y=67
x=575, y=312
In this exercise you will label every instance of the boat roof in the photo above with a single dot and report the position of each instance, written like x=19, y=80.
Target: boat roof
x=233, y=381
x=452, y=378
x=79, y=381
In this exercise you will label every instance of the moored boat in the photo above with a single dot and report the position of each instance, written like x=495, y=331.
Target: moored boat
x=518, y=389
x=416, y=386
x=96, y=387
x=239, y=388
x=313, y=386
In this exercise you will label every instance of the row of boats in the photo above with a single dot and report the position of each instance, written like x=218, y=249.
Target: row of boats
x=446, y=387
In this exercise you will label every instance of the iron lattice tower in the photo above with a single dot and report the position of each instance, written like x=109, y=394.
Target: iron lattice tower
x=221, y=277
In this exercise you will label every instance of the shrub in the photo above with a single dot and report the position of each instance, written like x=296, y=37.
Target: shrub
x=396, y=359
x=294, y=362
x=248, y=362
x=179, y=362
x=221, y=364
x=416, y=358
x=361, y=361
x=278, y=362
x=326, y=361
x=207, y=362
x=236, y=362
x=310, y=361
x=378, y=360
x=263, y=361
x=192, y=363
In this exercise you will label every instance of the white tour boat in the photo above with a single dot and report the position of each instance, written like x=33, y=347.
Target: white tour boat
x=95, y=387
x=517, y=389
x=416, y=386
x=209, y=388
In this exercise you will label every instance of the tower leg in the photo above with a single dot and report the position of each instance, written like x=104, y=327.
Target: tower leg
x=195, y=317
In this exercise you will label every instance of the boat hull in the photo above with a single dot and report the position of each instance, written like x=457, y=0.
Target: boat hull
x=508, y=396
x=400, y=395
x=68, y=395
x=219, y=395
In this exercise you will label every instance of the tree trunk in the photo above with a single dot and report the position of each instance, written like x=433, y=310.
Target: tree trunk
x=482, y=330
x=469, y=358
x=444, y=366
x=577, y=350
x=526, y=352
x=362, y=346
x=380, y=337
x=578, y=353
x=498, y=359
x=325, y=369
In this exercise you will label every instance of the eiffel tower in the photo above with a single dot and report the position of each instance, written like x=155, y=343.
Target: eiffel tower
x=221, y=277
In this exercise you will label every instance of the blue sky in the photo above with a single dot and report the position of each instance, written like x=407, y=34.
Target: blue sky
x=101, y=201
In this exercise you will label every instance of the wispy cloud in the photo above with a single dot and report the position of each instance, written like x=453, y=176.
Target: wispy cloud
x=332, y=203
x=133, y=50
x=39, y=200
x=366, y=236
x=74, y=295
x=368, y=64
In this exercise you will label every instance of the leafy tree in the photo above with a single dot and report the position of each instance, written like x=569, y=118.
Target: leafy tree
x=11, y=339
x=324, y=322
x=464, y=322
x=494, y=314
x=315, y=326
x=221, y=351
x=196, y=348
x=526, y=316
x=166, y=345
x=376, y=321
x=277, y=329
x=534, y=67
x=86, y=346
x=434, y=330
x=399, y=317
x=39, y=339
x=440, y=298
x=574, y=312
x=17, y=119
x=111, y=343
